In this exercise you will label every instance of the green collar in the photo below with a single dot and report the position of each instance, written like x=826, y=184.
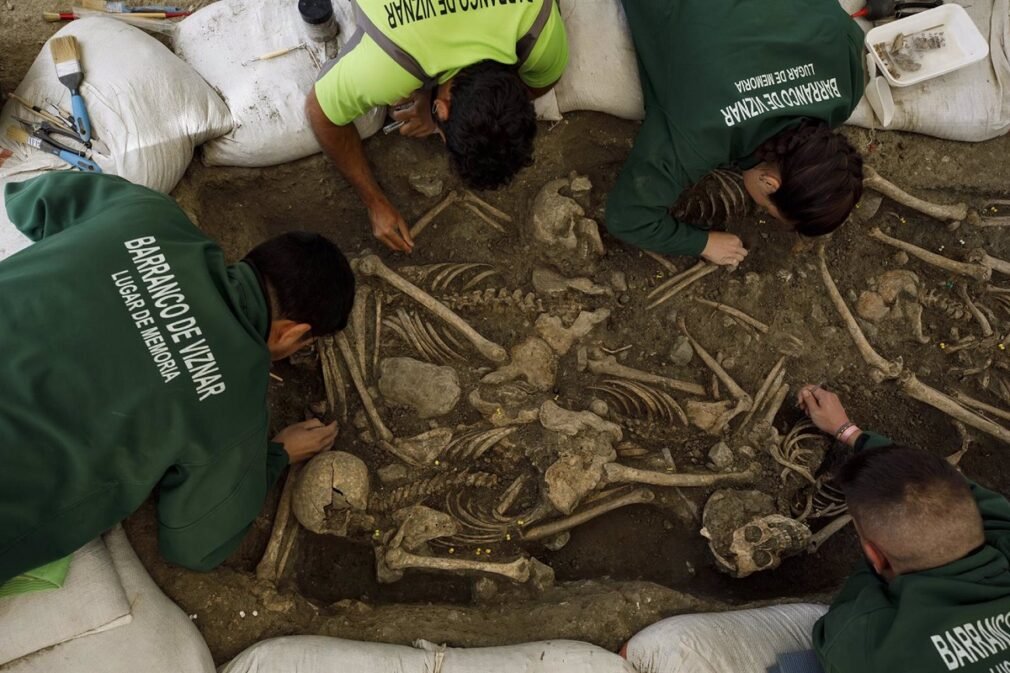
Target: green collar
x=249, y=297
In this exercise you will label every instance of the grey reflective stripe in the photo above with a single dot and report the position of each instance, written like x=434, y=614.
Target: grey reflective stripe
x=344, y=51
x=524, y=47
x=393, y=50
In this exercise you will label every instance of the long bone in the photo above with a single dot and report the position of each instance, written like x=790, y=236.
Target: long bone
x=882, y=369
x=609, y=366
x=980, y=256
x=688, y=278
x=333, y=380
x=732, y=386
x=381, y=431
x=636, y=497
x=373, y=266
x=763, y=391
x=917, y=390
x=736, y=313
x=270, y=566
x=426, y=219
x=952, y=213
x=615, y=473
x=821, y=536
x=981, y=406
x=358, y=327
x=399, y=559
x=976, y=271
x=662, y=261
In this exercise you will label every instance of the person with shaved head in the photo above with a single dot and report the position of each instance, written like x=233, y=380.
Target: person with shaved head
x=933, y=593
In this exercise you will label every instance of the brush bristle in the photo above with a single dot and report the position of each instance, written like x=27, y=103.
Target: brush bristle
x=64, y=49
x=18, y=135
x=94, y=5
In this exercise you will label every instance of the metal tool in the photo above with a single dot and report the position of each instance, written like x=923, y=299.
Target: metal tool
x=43, y=143
x=46, y=130
x=392, y=126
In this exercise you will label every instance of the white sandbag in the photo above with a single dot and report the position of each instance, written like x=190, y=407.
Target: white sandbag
x=148, y=111
x=602, y=72
x=319, y=654
x=746, y=641
x=266, y=98
x=971, y=104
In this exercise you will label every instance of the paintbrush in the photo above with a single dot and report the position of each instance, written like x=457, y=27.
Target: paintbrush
x=22, y=136
x=147, y=12
x=67, y=57
x=51, y=118
x=58, y=16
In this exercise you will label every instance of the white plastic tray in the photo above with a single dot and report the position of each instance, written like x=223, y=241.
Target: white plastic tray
x=963, y=44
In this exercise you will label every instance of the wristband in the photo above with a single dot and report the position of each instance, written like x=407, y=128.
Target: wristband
x=845, y=426
x=849, y=432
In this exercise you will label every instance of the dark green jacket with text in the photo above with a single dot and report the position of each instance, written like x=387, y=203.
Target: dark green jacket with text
x=134, y=359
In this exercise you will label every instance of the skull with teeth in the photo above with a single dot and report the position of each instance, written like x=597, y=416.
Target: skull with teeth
x=763, y=543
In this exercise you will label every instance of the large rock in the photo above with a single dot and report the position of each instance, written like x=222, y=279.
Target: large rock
x=428, y=389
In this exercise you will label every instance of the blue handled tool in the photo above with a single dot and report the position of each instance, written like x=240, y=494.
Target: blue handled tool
x=72, y=157
x=67, y=57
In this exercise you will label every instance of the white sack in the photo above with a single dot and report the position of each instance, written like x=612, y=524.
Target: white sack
x=971, y=104
x=148, y=111
x=319, y=654
x=746, y=641
x=266, y=98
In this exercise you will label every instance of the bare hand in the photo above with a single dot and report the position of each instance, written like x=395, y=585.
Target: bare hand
x=415, y=113
x=303, y=440
x=389, y=227
x=823, y=407
x=724, y=249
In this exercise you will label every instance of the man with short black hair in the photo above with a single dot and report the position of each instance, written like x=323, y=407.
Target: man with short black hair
x=135, y=360
x=933, y=594
x=470, y=69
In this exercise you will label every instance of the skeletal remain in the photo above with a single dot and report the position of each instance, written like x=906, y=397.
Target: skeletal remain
x=358, y=328
x=443, y=274
x=768, y=385
x=486, y=218
x=424, y=448
x=550, y=282
x=677, y=284
x=982, y=321
x=373, y=266
x=470, y=197
x=775, y=405
x=381, y=431
x=788, y=453
x=712, y=417
x=636, y=497
x=578, y=471
x=763, y=543
x=615, y=473
x=510, y=495
x=990, y=221
x=736, y=313
x=477, y=526
x=714, y=200
x=419, y=525
x=426, y=219
x=378, y=331
x=981, y=406
x=533, y=360
x=495, y=298
x=572, y=423
x=953, y=213
x=881, y=369
x=911, y=386
x=473, y=444
x=552, y=330
x=818, y=539
x=980, y=256
x=331, y=482
x=517, y=571
x=638, y=400
x=515, y=403
x=562, y=234
x=952, y=308
x=333, y=380
x=422, y=489
x=609, y=366
x=975, y=271
x=425, y=339
x=269, y=567
x=663, y=261
x=734, y=389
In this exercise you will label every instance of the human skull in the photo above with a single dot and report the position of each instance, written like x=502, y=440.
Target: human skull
x=564, y=236
x=330, y=487
x=763, y=543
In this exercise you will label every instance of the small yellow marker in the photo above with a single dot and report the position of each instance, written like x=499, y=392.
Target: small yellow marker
x=487, y=551
x=377, y=533
x=477, y=552
x=436, y=462
x=943, y=346
x=1002, y=347
x=508, y=536
x=452, y=550
x=520, y=522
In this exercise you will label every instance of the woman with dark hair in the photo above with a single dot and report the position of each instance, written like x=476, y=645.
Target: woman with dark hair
x=755, y=84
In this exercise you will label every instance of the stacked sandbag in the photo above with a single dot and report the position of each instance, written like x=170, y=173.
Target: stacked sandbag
x=266, y=98
x=746, y=641
x=319, y=654
x=148, y=111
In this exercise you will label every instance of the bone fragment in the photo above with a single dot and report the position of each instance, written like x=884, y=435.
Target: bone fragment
x=270, y=566
x=615, y=473
x=470, y=197
x=373, y=266
x=662, y=261
x=975, y=271
x=911, y=386
x=609, y=366
x=381, y=431
x=770, y=381
x=952, y=213
x=980, y=256
x=776, y=404
x=517, y=571
x=882, y=369
x=333, y=380
x=378, y=331
x=732, y=386
x=427, y=218
x=636, y=497
x=479, y=213
x=508, y=498
x=358, y=328
x=981, y=406
x=688, y=278
x=821, y=536
x=982, y=321
x=736, y=313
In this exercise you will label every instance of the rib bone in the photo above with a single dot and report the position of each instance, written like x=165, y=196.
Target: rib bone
x=736, y=313
x=953, y=213
x=615, y=473
x=976, y=271
x=636, y=497
x=609, y=366
x=679, y=283
x=517, y=571
x=373, y=266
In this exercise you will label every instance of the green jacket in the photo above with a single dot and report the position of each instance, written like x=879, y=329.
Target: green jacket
x=952, y=618
x=135, y=359
x=720, y=77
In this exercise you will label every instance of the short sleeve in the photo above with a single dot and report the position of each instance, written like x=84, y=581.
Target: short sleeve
x=359, y=79
x=549, y=57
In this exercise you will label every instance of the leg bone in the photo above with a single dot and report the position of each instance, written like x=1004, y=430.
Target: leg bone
x=976, y=271
x=732, y=386
x=427, y=218
x=917, y=390
x=270, y=567
x=952, y=213
x=609, y=366
x=381, y=431
x=615, y=473
x=636, y=497
x=517, y=571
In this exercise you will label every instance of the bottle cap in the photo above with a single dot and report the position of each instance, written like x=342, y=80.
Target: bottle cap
x=315, y=12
